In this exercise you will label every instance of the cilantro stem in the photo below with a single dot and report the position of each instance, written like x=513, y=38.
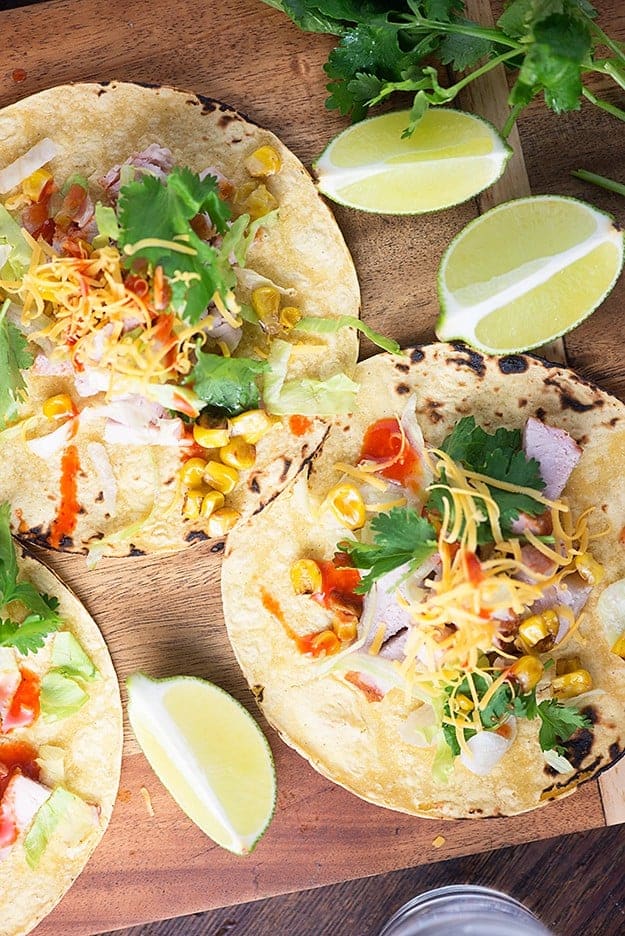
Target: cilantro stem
x=493, y=63
x=460, y=29
x=614, y=73
x=605, y=39
x=604, y=105
x=510, y=122
x=599, y=180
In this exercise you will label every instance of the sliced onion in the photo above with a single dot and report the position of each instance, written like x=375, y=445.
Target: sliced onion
x=414, y=437
x=47, y=445
x=486, y=748
x=5, y=253
x=421, y=727
x=36, y=157
x=558, y=761
x=611, y=611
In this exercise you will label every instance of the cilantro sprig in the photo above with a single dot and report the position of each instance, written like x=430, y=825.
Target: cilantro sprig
x=553, y=45
x=499, y=456
x=399, y=536
x=558, y=722
x=14, y=358
x=155, y=224
x=28, y=635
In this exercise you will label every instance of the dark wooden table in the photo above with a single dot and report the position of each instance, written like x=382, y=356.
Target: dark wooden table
x=574, y=883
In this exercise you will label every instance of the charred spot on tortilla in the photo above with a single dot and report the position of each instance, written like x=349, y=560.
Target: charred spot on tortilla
x=513, y=364
x=253, y=485
x=134, y=551
x=540, y=413
x=258, y=692
x=286, y=464
x=99, y=497
x=402, y=368
x=616, y=750
x=471, y=359
x=416, y=355
x=218, y=546
x=402, y=389
x=196, y=536
x=522, y=402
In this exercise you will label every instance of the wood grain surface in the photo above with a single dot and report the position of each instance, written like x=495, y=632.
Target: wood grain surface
x=162, y=614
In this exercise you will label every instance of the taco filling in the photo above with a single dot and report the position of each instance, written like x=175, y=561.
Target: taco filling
x=60, y=736
x=140, y=311
x=459, y=592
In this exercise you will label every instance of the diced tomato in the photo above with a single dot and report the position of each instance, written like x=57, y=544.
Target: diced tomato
x=300, y=425
x=137, y=284
x=472, y=567
x=17, y=755
x=25, y=705
x=338, y=585
x=384, y=442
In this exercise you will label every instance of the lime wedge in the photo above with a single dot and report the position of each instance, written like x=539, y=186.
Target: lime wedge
x=527, y=272
x=450, y=157
x=210, y=754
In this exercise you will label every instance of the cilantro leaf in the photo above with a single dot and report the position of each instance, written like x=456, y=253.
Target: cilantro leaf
x=462, y=51
x=30, y=635
x=226, y=384
x=499, y=456
x=150, y=210
x=558, y=723
x=400, y=536
x=14, y=358
x=12, y=590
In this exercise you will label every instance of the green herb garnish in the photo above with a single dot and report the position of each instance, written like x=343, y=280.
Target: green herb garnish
x=553, y=46
x=499, y=456
x=400, y=536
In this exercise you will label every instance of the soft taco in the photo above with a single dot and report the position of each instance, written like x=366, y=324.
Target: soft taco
x=60, y=737
x=179, y=309
x=437, y=624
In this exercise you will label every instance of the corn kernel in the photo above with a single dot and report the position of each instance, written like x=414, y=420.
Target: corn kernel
x=192, y=472
x=463, y=703
x=260, y=202
x=34, y=185
x=346, y=503
x=589, y=569
x=527, y=672
x=251, y=426
x=193, y=503
x=539, y=630
x=345, y=627
x=572, y=684
x=221, y=521
x=619, y=647
x=223, y=478
x=210, y=436
x=211, y=502
x=568, y=665
x=289, y=316
x=305, y=577
x=58, y=406
x=263, y=162
x=238, y=454
x=266, y=303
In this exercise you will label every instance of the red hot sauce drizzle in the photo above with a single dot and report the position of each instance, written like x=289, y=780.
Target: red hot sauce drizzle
x=384, y=442
x=65, y=521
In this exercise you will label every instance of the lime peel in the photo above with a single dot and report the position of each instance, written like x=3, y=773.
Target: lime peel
x=170, y=750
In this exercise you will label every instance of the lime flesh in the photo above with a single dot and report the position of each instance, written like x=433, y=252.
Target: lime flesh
x=527, y=272
x=209, y=753
x=450, y=157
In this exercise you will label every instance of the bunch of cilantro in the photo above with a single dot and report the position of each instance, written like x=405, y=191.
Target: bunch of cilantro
x=552, y=45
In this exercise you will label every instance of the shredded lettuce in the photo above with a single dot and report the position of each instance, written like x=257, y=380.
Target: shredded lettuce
x=69, y=658
x=304, y=395
x=106, y=220
x=60, y=696
x=19, y=258
x=324, y=326
x=61, y=808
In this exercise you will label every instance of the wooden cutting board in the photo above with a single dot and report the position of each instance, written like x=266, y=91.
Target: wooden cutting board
x=162, y=614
